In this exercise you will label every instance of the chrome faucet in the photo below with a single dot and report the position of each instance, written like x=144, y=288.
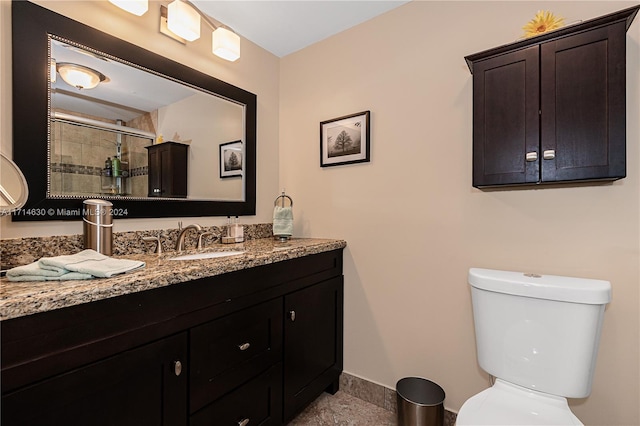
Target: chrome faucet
x=180, y=240
x=157, y=240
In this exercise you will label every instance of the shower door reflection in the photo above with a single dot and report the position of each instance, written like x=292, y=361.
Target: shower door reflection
x=87, y=161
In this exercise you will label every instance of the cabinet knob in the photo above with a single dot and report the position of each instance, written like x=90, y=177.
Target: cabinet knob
x=244, y=346
x=532, y=156
x=243, y=422
x=292, y=315
x=549, y=154
x=177, y=367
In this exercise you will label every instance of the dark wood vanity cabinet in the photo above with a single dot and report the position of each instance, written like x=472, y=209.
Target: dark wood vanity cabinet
x=168, y=169
x=218, y=350
x=142, y=386
x=257, y=402
x=230, y=351
x=552, y=108
x=312, y=343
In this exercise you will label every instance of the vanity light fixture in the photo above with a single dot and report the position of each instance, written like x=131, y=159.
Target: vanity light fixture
x=180, y=20
x=80, y=76
x=225, y=44
x=137, y=7
x=183, y=20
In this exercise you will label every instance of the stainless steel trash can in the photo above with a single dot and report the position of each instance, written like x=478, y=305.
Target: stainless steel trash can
x=420, y=402
x=98, y=225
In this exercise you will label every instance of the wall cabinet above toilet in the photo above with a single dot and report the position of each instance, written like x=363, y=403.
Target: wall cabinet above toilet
x=552, y=108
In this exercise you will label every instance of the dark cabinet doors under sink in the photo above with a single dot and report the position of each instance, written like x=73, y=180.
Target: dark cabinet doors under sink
x=312, y=343
x=143, y=386
x=225, y=347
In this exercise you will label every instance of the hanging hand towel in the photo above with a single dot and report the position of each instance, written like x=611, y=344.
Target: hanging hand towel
x=282, y=221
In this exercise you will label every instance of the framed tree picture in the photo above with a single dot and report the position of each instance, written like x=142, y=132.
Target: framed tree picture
x=231, y=157
x=345, y=140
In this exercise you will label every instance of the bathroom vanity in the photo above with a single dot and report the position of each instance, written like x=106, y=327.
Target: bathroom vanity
x=246, y=339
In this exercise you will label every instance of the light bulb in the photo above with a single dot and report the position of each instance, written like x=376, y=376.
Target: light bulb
x=137, y=7
x=79, y=76
x=183, y=20
x=225, y=44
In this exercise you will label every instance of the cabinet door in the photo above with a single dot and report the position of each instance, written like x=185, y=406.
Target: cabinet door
x=137, y=387
x=168, y=170
x=505, y=118
x=312, y=343
x=155, y=173
x=174, y=168
x=583, y=105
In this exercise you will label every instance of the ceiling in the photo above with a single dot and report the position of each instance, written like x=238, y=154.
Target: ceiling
x=285, y=26
x=128, y=93
x=281, y=27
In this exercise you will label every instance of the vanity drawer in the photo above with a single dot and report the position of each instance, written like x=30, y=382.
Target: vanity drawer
x=233, y=349
x=258, y=402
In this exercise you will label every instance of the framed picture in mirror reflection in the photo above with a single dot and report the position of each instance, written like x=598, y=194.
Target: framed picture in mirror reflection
x=231, y=157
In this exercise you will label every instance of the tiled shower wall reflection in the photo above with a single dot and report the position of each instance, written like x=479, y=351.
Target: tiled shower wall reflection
x=78, y=155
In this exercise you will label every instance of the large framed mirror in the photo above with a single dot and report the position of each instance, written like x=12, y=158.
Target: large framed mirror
x=148, y=137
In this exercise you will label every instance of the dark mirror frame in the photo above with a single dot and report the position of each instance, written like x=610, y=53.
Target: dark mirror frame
x=31, y=26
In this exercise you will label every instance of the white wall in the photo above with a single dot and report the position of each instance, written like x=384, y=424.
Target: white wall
x=225, y=123
x=414, y=224
x=256, y=71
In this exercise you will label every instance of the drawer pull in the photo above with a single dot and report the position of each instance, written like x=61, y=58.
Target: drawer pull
x=532, y=156
x=243, y=422
x=549, y=154
x=244, y=347
x=177, y=367
x=292, y=315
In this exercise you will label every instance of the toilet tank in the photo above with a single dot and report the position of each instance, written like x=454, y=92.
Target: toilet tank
x=538, y=331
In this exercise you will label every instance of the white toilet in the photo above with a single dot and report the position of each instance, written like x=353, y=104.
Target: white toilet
x=538, y=336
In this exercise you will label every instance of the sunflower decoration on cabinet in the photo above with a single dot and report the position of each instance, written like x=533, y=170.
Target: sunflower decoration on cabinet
x=543, y=22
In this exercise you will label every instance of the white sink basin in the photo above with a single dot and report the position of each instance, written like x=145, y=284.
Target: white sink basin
x=211, y=255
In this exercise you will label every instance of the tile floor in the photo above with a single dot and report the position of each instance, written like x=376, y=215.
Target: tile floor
x=343, y=409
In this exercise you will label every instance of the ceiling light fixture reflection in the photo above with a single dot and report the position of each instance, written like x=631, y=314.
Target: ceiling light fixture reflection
x=137, y=7
x=79, y=76
x=53, y=74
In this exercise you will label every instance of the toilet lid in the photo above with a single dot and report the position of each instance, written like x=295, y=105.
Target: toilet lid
x=508, y=404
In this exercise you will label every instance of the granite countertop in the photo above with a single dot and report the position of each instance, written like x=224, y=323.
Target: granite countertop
x=25, y=298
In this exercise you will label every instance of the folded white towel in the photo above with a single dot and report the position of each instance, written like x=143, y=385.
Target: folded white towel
x=33, y=272
x=282, y=221
x=80, y=266
x=91, y=262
